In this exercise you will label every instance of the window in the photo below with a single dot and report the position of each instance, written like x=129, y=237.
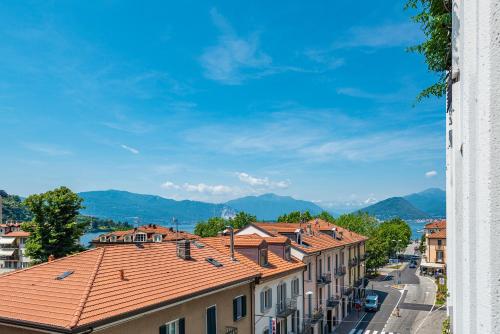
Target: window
x=102, y=239
x=288, y=254
x=295, y=287
x=157, y=238
x=266, y=300
x=281, y=295
x=127, y=238
x=329, y=265
x=320, y=297
x=440, y=242
x=112, y=238
x=263, y=257
x=140, y=237
x=212, y=320
x=239, y=307
x=320, y=267
x=309, y=271
x=173, y=327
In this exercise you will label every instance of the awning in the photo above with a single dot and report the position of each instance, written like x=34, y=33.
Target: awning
x=425, y=264
x=7, y=240
x=7, y=252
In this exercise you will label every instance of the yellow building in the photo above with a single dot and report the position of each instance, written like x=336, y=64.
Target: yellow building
x=434, y=259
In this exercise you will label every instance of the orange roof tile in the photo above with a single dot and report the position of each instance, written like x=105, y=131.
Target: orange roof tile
x=441, y=234
x=17, y=234
x=436, y=224
x=95, y=292
x=168, y=234
x=276, y=264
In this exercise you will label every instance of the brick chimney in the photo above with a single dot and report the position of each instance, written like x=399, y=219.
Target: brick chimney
x=184, y=249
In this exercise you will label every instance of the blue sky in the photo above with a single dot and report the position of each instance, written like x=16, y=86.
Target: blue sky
x=216, y=100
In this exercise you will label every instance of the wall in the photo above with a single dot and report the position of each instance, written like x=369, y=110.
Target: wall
x=433, y=247
x=193, y=312
x=473, y=172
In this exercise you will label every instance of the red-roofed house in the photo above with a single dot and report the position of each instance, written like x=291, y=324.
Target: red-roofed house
x=435, y=252
x=12, y=247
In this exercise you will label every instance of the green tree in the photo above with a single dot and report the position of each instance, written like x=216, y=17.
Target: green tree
x=241, y=220
x=360, y=222
x=295, y=217
x=326, y=216
x=423, y=245
x=434, y=17
x=13, y=208
x=211, y=227
x=395, y=234
x=54, y=229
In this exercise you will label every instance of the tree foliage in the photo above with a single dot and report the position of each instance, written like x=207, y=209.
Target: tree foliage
x=54, y=228
x=434, y=18
x=360, y=222
x=13, y=208
x=295, y=217
x=213, y=226
x=326, y=216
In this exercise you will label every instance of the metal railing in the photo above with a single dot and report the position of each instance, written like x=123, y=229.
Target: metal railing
x=340, y=271
x=316, y=316
x=286, y=307
x=332, y=301
x=324, y=278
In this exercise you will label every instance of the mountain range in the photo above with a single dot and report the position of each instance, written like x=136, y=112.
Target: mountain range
x=131, y=207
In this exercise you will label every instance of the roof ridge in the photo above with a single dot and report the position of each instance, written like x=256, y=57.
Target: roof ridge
x=45, y=263
x=88, y=288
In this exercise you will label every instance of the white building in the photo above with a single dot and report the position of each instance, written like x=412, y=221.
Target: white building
x=12, y=247
x=473, y=169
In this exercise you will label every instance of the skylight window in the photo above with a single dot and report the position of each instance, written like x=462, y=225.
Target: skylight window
x=64, y=275
x=213, y=262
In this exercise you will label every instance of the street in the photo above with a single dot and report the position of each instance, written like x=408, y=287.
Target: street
x=414, y=296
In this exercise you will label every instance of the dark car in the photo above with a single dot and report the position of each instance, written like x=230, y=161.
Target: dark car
x=412, y=265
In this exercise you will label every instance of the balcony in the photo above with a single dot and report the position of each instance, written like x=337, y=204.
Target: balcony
x=340, y=271
x=231, y=330
x=316, y=316
x=346, y=291
x=332, y=301
x=353, y=262
x=286, y=307
x=324, y=278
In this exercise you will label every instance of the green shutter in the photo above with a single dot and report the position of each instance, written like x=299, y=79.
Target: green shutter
x=182, y=326
x=235, y=309
x=163, y=329
x=243, y=306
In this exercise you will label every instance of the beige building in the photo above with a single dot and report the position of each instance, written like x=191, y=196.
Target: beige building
x=434, y=259
x=146, y=288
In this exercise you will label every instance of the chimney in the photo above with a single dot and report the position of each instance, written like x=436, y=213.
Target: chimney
x=184, y=249
x=231, y=242
x=51, y=258
x=309, y=229
x=122, y=275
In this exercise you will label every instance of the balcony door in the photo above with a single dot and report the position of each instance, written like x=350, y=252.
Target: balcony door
x=212, y=320
x=281, y=296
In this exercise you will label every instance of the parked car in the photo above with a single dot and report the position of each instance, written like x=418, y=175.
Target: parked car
x=412, y=265
x=371, y=303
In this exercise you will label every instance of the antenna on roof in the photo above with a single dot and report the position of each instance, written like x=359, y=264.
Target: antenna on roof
x=176, y=227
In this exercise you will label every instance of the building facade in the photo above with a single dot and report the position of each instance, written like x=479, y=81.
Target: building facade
x=473, y=168
x=13, y=247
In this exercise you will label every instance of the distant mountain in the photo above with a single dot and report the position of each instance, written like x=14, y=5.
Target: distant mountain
x=395, y=207
x=271, y=206
x=126, y=206
x=432, y=201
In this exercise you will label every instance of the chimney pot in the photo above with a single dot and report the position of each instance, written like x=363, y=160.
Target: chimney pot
x=184, y=249
x=51, y=258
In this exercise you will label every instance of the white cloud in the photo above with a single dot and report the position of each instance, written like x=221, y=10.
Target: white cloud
x=47, y=149
x=387, y=35
x=201, y=188
x=130, y=149
x=233, y=59
x=261, y=182
x=431, y=173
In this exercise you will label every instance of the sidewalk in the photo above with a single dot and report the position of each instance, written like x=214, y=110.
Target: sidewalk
x=349, y=322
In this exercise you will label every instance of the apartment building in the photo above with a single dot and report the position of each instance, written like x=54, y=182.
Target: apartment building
x=12, y=247
x=145, y=233
x=147, y=288
x=434, y=259
x=278, y=306
x=334, y=275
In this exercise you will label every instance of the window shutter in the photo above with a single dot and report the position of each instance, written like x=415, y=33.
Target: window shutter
x=182, y=326
x=262, y=302
x=243, y=306
x=270, y=298
x=235, y=309
x=163, y=329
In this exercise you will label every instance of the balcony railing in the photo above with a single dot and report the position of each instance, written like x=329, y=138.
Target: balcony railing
x=332, y=301
x=324, y=278
x=231, y=330
x=347, y=291
x=316, y=316
x=340, y=271
x=286, y=307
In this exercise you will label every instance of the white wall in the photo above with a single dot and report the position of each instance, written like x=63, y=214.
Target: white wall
x=262, y=320
x=473, y=169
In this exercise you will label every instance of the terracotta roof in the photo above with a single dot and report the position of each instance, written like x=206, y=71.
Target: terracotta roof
x=168, y=234
x=317, y=241
x=95, y=292
x=17, y=234
x=276, y=264
x=246, y=241
x=436, y=224
x=441, y=234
